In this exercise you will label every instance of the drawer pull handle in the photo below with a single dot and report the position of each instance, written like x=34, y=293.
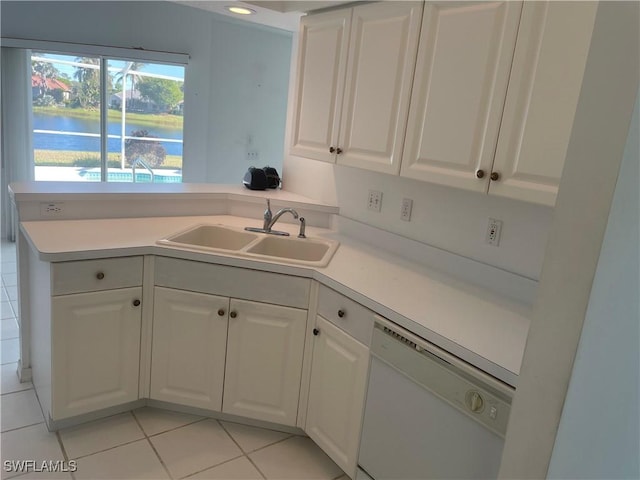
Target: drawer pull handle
x=221, y=312
x=341, y=313
x=136, y=303
x=495, y=176
x=316, y=332
x=480, y=174
x=233, y=314
x=100, y=275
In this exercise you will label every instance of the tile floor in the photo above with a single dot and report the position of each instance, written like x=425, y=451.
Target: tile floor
x=146, y=443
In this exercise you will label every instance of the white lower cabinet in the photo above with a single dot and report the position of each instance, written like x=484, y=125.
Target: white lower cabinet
x=196, y=335
x=336, y=393
x=189, y=345
x=95, y=350
x=213, y=350
x=264, y=361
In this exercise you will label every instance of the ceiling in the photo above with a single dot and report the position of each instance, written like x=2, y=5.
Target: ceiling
x=282, y=14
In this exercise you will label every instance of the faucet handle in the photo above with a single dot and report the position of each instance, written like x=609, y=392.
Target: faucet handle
x=268, y=216
x=303, y=224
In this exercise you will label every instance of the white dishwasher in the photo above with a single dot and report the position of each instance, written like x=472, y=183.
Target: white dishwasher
x=428, y=414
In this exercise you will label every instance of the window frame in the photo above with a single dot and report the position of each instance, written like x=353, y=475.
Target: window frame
x=105, y=54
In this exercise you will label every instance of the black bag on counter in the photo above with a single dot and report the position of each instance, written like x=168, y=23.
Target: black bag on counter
x=273, y=179
x=261, y=178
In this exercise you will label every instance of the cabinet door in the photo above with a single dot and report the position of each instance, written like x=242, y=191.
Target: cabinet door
x=382, y=54
x=95, y=350
x=336, y=394
x=461, y=78
x=189, y=343
x=322, y=60
x=548, y=66
x=264, y=361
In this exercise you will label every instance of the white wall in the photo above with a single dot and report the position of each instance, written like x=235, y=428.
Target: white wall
x=236, y=80
x=599, y=432
x=448, y=218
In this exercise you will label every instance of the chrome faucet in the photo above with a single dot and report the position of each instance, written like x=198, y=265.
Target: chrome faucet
x=270, y=219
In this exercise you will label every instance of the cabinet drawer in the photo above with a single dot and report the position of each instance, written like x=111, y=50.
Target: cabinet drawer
x=346, y=314
x=93, y=275
x=233, y=282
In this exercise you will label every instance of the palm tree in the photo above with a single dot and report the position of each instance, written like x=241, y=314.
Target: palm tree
x=88, y=90
x=84, y=74
x=130, y=69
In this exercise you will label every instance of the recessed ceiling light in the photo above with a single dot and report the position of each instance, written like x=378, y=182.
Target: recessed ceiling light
x=241, y=10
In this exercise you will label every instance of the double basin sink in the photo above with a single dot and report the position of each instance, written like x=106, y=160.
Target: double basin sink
x=223, y=239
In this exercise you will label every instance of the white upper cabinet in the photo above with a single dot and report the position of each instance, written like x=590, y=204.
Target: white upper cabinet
x=478, y=95
x=546, y=79
x=322, y=59
x=382, y=50
x=462, y=72
x=355, y=69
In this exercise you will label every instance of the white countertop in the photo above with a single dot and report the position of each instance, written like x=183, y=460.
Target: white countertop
x=479, y=326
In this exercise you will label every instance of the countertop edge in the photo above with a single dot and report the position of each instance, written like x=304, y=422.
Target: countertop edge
x=319, y=274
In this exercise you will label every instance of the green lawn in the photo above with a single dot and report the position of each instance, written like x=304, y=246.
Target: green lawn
x=68, y=158
x=150, y=119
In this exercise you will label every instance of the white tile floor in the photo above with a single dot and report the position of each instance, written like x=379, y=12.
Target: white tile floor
x=146, y=443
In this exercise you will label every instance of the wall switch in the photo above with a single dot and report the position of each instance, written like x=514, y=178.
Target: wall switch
x=405, y=211
x=494, y=228
x=51, y=209
x=375, y=200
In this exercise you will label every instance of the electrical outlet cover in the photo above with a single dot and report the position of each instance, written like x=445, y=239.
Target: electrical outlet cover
x=374, y=202
x=405, y=211
x=494, y=229
x=51, y=209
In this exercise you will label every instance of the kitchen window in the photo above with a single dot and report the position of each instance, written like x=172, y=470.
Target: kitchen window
x=96, y=118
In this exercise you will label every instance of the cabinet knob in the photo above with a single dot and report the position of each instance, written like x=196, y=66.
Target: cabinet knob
x=341, y=313
x=316, y=332
x=221, y=312
x=495, y=176
x=100, y=275
x=480, y=173
x=338, y=151
x=233, y=314
x=136, y=303
x=332, y=149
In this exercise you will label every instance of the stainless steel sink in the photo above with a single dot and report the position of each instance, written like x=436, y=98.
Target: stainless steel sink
x=311, y=251
x=211, y=237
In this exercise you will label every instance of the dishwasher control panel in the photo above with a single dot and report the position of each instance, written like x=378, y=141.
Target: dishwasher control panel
x=456, y=382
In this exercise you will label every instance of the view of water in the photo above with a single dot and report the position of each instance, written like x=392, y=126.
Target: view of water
x=44, y=141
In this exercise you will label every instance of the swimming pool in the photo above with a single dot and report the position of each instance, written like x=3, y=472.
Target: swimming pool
x=117, y=176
